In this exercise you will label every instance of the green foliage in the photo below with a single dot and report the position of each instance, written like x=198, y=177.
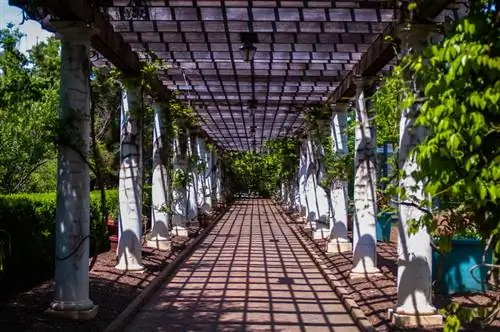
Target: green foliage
x=263, y=172
x=460, y=158
x=335, y=166
x=29, y=220
x=29, y=101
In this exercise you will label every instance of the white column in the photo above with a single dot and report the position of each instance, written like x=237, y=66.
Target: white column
x=339, y=241
x=318, y=212
x=364, y=231
x=192, y=191
x=414, y=304
x=71, y=297
x=160, y=232
x=180, y=200
x=302, y=179
x=214, y=194
x=204, y=183
x=130, y=184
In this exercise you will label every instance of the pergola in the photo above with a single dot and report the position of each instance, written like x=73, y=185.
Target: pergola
x=305, y=53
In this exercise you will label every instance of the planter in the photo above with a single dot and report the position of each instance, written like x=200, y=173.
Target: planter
x=383, y=227
x=112, y=233
x=451, y=272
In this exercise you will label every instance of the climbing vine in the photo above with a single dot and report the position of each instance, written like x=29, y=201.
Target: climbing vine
x=332, y=167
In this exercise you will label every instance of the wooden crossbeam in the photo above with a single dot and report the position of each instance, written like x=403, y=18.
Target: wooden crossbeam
x=380, y=54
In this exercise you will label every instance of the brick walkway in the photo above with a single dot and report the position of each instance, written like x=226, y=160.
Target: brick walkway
x=249, y=274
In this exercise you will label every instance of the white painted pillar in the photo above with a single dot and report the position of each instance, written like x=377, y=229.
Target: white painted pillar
x=214, y=194
x=204, y=183
x=180, y=200
x=318, y=212
x=130, y=184
x=302, y=179
x=414, y=304
x=218, y=177
x=192, y=191
x=339, y=241
x=160, y=232
x=364, y=229
x=71, y=297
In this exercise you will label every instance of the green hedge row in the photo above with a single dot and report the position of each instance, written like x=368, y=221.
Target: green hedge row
x=29, y=219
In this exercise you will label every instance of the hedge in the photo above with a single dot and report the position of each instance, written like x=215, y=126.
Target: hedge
x=29, y=219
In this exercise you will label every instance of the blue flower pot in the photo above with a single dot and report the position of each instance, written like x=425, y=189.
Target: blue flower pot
x=383, y=227
x=455, y=276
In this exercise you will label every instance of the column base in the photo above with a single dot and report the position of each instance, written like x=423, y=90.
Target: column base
x=180, y=231
x=321, y=232
x=337, y=246
x=73, y=313
x=159, y=243
x=371, y=272
x=136, y=268
x=414, y=320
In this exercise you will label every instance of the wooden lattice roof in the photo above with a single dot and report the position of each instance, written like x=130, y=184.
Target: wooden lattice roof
x=306, y=53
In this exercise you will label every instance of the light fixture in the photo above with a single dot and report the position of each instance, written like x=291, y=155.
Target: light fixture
x=252, y=107
x=248, y=48
x=248, y=51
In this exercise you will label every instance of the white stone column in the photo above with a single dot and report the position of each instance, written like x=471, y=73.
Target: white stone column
x=318, y=212
x=206, y=179
x=71, y=297
x=192, y=190
x=160, y=232
x=339, y=241
x=364, y=229
x=302, y=180
x=130, y=183
x=414, y=305
x=180, y=201
x=214, y=194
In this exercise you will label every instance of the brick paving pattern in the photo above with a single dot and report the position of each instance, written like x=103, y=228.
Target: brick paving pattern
x=249, y=274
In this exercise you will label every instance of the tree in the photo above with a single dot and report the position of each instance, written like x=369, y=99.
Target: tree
x=29, y=99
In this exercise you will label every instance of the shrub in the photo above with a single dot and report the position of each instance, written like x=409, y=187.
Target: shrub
x=29, y=219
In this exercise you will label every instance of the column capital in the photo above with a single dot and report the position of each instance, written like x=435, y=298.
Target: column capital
x=341, y=106
x=414, y=35
x=76, y=31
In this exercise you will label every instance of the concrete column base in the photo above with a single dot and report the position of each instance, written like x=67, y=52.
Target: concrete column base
x=321, y=231
x=415, y=320
x=374, y=272
x=338, y=245
x=159, y=243
x=124, y=266
x=180, y=230
x=86, y=314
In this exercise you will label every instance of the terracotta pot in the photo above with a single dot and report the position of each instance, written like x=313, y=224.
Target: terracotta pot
x=112, y=233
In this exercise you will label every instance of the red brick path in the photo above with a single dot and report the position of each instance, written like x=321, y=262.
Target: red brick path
x=249, y=274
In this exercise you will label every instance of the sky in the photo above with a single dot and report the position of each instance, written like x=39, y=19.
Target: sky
x=30, y=28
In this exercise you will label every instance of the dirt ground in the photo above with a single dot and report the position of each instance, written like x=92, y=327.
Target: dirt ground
x=376, y=295
x=110, y=289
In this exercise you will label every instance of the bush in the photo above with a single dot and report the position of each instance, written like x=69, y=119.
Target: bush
x=29, y=219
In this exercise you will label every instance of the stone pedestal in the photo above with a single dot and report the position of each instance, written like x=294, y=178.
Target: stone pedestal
x=335, y=246
x=159, y=243
x=413, y=320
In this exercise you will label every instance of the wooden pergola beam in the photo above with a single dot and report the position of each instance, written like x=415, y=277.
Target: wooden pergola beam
x=381, y=53
x=107, y=42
